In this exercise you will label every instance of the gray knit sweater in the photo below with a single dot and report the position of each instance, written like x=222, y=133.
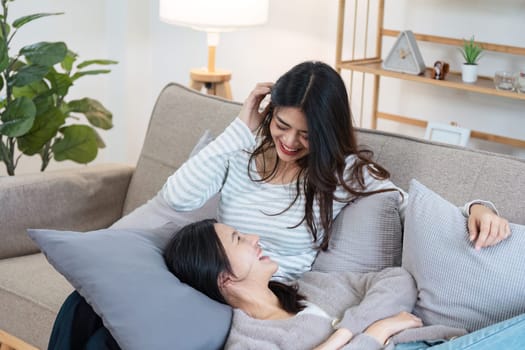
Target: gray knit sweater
x=353, y=301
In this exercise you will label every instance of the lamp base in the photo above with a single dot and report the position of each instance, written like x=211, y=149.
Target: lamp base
x=216, y=83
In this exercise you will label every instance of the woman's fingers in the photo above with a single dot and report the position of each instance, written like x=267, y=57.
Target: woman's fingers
x=250, y=113
x=489, y=229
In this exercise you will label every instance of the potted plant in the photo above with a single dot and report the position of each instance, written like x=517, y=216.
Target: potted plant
x=35, y=117
x=471, y=52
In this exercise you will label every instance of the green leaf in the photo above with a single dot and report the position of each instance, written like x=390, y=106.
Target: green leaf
x=60, y=82
x=18, y=117
x=45, y=128
x=44, y=102
x=90, y=72
x=4, y=55
x=31, y=90
x=94, y=111
x=1, y=82
x=29, y=74
x=26, y=19
x=7, y=28
x=100, y=142
x=16, y=64
x=79, y=144
x=471, y=51
x=90, y=62
x=44, y=53
x=67, y=63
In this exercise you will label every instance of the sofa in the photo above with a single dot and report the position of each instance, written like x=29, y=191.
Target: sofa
x=95, y=196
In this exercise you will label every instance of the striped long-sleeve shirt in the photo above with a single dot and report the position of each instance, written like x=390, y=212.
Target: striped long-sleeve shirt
x=250, y=206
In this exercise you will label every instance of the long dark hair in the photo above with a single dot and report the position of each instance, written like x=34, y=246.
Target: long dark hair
x=196, y=256
x=318, y=90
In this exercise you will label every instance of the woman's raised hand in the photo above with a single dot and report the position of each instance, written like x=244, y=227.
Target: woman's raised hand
x=250, y=113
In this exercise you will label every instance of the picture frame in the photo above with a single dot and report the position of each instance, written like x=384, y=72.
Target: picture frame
x=447, y=133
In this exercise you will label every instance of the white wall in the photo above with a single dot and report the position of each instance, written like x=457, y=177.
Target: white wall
x=489, y=21
x=152, y=53
x=297, y=30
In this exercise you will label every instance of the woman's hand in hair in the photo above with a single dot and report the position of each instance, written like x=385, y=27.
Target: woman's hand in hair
x=250, y=112
x=337, y=340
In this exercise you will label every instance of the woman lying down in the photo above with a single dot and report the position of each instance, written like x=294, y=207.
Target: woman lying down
x=321, y=311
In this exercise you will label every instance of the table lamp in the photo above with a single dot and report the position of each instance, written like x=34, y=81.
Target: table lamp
x=213, y=17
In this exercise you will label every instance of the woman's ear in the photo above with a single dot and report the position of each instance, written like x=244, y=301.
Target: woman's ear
x=223, y=280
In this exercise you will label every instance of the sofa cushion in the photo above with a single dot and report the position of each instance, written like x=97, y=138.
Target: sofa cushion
x=82, y=199
x=367, y=236
x=31, y=292
x=123, y=276
x=458, y=285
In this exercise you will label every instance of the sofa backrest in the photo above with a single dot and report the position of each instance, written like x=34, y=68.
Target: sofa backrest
x=456, y=173
x=181, y=116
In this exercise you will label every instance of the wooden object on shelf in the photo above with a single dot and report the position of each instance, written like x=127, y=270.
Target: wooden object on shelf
x=216, y=82
x=440, y=70
x=373, y=65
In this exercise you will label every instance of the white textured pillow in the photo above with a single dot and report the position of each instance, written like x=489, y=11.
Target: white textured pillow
x=459, y=286
x=367, y=236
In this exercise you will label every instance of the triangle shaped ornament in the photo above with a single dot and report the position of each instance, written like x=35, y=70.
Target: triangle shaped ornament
x=405, y=57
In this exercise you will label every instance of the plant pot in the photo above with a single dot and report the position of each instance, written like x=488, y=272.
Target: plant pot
x=469, y=73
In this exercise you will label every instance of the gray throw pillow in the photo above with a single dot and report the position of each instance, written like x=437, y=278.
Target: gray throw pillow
x=459, y=286
x=367, y=236
x=121, y=273
x=204, y=140
x=123, y=276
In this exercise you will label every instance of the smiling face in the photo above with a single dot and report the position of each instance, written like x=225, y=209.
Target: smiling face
x=289, y=131
x=244, y=254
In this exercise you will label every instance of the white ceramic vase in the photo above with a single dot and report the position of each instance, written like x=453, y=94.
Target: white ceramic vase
x=469, y=73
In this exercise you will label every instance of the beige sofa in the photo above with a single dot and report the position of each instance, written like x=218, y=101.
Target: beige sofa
x=93, y=197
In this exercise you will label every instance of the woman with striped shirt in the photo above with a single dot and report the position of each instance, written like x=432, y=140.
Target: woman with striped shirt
x=286, y=170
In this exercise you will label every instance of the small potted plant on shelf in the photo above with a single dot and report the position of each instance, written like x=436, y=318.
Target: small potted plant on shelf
x=471, y=52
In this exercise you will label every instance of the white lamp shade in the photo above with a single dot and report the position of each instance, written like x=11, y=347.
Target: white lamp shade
x=214, y=15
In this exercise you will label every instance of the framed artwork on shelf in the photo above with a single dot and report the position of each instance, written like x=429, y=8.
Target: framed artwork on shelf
x=447, y=134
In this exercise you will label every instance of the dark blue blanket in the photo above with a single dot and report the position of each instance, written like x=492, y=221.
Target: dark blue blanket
x=78, y=327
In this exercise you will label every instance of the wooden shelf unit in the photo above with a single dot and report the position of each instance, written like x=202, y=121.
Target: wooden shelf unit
x=372, y=65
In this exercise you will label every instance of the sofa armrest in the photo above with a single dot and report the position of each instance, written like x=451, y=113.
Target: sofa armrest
x=80, y=199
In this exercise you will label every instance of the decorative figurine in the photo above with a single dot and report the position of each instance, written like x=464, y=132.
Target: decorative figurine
x=440, y=70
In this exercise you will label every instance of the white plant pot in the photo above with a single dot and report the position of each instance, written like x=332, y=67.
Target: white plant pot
x=469, y=73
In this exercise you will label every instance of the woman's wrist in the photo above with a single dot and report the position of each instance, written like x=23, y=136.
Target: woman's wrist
x=378, y=332
x=479, y=202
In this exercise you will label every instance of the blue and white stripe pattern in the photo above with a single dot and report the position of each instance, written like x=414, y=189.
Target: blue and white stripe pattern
x=245, y=205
